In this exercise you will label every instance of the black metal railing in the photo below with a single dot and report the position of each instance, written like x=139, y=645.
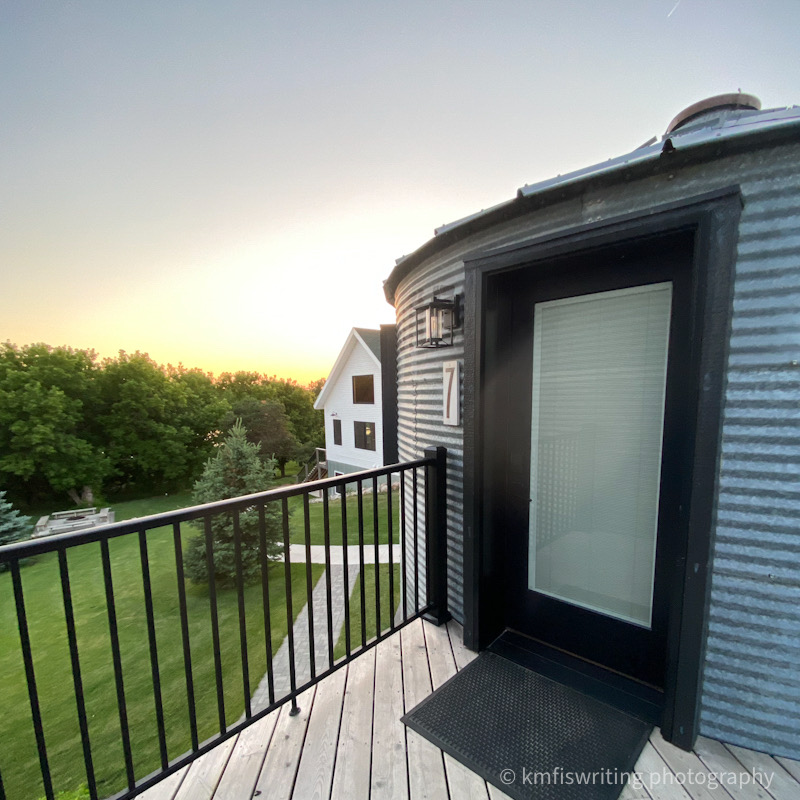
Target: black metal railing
x=239, y=615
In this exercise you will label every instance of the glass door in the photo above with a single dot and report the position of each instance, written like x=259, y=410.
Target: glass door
x=597, y=418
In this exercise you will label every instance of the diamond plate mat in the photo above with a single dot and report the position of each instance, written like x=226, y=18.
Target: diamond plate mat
x=529, y=735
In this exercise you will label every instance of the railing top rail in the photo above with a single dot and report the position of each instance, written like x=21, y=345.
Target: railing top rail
x=59, y=541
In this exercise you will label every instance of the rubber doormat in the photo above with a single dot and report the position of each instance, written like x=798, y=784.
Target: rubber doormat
x=534, y=738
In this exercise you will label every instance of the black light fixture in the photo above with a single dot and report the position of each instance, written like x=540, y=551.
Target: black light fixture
x=437, y=320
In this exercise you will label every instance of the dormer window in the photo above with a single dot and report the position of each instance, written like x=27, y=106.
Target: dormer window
x=363, y=389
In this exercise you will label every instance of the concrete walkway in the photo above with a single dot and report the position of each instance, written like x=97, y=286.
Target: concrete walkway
x=340, y=589
x=302, y=646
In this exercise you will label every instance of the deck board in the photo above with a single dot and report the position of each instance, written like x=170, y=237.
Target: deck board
x=318, y=759
x=353, y=754
x=277, y=776
x=682, y=763
x=651, y=764
x=791, y=766
x=204, y=775
x=348, y=742
x=718, y=759
x=769, y=773
x=166, y=789
x=389, y=780
x=635, y=792
x=426, y=772
x=499, y=794
x=246, y=760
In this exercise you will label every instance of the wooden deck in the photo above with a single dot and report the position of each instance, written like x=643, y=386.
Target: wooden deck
x=348, y=742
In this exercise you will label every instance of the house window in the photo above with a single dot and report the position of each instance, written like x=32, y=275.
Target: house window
x=363, y=389
x=337, y=431
x=365, y=435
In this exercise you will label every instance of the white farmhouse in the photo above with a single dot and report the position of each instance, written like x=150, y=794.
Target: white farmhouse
x=352, y=400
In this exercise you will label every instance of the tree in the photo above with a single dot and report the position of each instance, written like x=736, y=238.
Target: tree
x=267, y=426
x=237, y=469
x=307, y=424
x=159, y=424
x=13, y=526
x=48, y=440
x=198, y=414
x=315, y=387
x=238, y=385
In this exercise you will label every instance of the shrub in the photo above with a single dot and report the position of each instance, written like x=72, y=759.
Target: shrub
x=13, y=526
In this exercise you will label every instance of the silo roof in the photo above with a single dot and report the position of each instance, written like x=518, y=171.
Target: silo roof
x=713, y=134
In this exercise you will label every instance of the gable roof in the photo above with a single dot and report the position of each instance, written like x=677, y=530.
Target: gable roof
x=367, y=338
x=372, y=339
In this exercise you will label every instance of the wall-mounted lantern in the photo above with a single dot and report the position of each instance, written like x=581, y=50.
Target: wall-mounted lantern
x=437, y=320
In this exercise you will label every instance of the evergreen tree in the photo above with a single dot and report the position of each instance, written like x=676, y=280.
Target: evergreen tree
x=237, y=469
x=13, y=526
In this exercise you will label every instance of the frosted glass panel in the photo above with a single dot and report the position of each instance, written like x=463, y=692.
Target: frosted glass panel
x=599, y=379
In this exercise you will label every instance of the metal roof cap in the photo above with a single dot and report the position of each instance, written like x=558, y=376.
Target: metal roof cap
x=719, y=102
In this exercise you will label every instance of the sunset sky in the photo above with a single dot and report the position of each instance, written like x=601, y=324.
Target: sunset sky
x=227, y=184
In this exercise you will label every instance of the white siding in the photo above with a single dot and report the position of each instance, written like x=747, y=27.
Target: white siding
x=339, y=405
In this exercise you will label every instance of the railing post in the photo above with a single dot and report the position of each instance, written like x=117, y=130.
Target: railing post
x=436, y=534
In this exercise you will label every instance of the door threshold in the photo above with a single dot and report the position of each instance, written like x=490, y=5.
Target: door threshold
x=626, y=694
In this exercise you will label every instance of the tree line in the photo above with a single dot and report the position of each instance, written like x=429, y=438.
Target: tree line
x=73, y=424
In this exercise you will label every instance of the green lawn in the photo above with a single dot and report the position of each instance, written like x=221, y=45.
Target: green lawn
x=18, y=759
x=292, y=468
x=369, y=595
x=152, y=505
x=315, y=514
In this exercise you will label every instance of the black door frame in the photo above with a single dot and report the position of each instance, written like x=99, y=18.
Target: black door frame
x=713, y=218
x=629, y=648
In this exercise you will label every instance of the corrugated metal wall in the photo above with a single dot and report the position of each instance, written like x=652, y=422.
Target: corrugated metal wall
x=751, y=690
x=752, y=678
x=419, y=410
